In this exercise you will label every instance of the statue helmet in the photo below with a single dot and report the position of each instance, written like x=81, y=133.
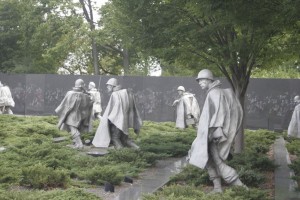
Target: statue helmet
x=297, y=99
x=79, y=83
x=92, y=85
x=205, y=74
x=181, y=88
x=112, y=81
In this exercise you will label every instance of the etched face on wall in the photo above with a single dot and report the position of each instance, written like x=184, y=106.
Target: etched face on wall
x=204, y=83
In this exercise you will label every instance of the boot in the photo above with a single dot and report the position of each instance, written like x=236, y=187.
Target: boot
x=131, y=144
x=238, y=182
x=77, y=142
x=116, y=140
x=217, y=186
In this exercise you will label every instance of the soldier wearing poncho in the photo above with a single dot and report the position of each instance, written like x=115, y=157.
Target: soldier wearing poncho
x=74, y=112
x=120, y=115
x=187, y=109
x=218, y=124
x=294, y=126
x=6, y=100
x=95, y=96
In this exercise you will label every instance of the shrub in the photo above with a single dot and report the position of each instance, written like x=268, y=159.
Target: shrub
x=41, y=177
x=72, y=194
x=251, y=178
x=138, y=158
x=295, y=165
x=293, y=146
x=178, y=192
x=175, y=145
x=99, y=175
x=191, y=175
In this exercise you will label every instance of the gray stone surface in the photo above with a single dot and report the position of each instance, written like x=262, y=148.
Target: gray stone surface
x=268, y=101
x=95, y=151
x=153, y=179
x=284, y=185
x=59, y=139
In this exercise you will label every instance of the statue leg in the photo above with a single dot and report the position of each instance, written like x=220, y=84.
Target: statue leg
x=226, y=172
x=214, y=176
x=116, y=136
x=76, y=137
x=9, y=111
x=128, y=142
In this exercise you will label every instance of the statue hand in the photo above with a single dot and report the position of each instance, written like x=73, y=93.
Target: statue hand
x=175, y=102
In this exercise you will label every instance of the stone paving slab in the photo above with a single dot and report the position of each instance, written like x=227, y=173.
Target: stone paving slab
x=284, y=185
x=153, y=179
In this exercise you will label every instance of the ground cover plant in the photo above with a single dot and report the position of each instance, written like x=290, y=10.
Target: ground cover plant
x=253, y=166
x=35, y=167
x=293, y=147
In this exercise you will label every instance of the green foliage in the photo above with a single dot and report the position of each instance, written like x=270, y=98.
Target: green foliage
x=40, y=176
x=250, y=177
x=296, y=167
x=293, y=146
x=137, y=158
x=260, y=140
x=32, y=158
x=56, y=194
x=287, y=72
x=191, y=175
x=99, y=175
x=165, y=138
x=178, y=192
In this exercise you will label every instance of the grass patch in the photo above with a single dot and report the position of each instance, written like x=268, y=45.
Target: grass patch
x=293, y=147
x=32, y=160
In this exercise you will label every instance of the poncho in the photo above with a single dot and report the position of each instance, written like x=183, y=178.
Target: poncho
x=221, y=110
x=74, y=110
x=294, y=126
x=187, y=104
x=121, y=111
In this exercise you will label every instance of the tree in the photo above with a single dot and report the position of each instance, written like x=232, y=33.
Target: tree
x=9, y=34
x=119, y=52
x=88, y=14
x=231, y=36
x=38, y=35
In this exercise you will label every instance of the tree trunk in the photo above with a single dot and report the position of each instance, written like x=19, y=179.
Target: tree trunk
x=95, y=56
x=88, y=14
x=239, y=139
x=126, y=61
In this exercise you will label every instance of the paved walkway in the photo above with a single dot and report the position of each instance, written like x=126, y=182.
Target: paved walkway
x=153, y=179
x=284, y=185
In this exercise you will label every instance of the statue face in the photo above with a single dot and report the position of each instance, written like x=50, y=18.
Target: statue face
x=180, y=92
x=109, y=88
x=90, y=86
x=204, y=83
x=297, y=99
